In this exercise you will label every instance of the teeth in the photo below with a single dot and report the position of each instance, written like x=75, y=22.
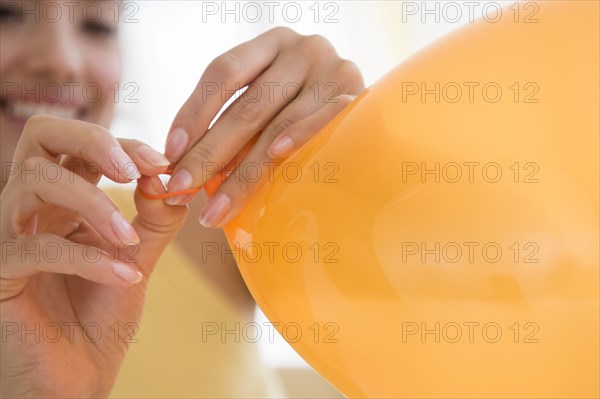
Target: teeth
x=25, y=111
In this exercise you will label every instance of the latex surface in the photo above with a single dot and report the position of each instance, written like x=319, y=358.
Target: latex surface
x=396, y=260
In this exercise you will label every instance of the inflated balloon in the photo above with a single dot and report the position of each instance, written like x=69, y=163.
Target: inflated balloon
x=439, y=238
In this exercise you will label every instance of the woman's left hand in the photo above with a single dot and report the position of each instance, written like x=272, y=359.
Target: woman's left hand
x=296, y=84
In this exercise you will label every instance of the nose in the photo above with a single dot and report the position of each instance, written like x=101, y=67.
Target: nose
x=53, y=52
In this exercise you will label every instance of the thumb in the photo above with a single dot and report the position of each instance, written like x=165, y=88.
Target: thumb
x=156, y=223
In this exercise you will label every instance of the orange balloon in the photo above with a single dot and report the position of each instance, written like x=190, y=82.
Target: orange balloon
x=439, y=238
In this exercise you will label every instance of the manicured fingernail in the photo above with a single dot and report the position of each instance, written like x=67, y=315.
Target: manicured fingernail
x=182, y=180
x=152, y=156
x=176, y=144
x=126, y=273
x=215, y=210
x=157, y=185
x=123, y=164
x=281, y=147
x=124, y=231
x=151, y=185
x=186, y=199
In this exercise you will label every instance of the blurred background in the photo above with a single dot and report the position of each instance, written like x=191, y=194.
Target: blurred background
x=168, y=44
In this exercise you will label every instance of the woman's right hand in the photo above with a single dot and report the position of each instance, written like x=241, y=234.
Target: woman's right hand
x=74, y=270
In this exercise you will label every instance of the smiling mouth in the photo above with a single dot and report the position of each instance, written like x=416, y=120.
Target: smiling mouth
x=21, y=111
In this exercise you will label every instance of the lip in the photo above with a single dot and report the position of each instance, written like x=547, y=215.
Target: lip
x=16, y=113
x=51, y=93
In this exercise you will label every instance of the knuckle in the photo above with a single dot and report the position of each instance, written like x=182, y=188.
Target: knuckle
x=244, y=112
x=284, y=32
x=98, y=134
x=226, y=66
x=39, y=238
x=348, y=69
x=164, y=227
x=243, y=187
x=35, y=162
x=278, y=126
x=316, y=41
x=98, y=200
x=41, y=119
x=240, y=186
x=201, y=156
x=192, y=108
x=317, y=45
x=35, y=122
x=350, y=74
x=31, y=168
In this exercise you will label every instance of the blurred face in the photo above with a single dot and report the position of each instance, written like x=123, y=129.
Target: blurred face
x=57, y=58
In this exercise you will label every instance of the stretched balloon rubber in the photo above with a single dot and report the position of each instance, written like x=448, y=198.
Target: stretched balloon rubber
x=439, y=238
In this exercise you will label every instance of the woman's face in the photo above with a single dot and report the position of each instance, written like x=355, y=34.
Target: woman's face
x=57, y=58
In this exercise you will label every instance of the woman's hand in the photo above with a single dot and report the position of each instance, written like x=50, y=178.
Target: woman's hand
x=74, y=270
x=296, y=84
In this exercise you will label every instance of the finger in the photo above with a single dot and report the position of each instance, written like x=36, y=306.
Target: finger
x=253, y=165
x=53, y=254
x=213, y=184
x=50, y=137
x=346, y=79
x=225, y=75
x=299, y=133
x=156, y=222
x=309, y=103
x=86, y=235
x=234, y=193
x=246, y=116
x=88, y=170
x=330, y=97
x=149, y=161
x=57, y=220
x=24, y=196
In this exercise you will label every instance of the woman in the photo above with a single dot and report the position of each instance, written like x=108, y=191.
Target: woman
x=84, y=304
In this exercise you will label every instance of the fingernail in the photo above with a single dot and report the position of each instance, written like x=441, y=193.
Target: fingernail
x=215, y=210
x=177, y=143
x=127, y=274
x=123, y=164
x=152, y=156
x=282, y=146
x=124, y=231
x=157, y=185
x=182, y=180
x=151, y=185
x=186, y=199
